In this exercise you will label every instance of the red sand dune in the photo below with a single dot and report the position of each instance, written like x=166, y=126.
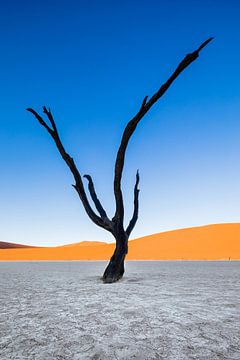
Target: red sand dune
x=212, y=242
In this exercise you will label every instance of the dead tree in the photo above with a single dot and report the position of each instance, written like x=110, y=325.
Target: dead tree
x=115, y=268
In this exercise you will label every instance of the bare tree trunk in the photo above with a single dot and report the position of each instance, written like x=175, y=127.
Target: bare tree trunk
x=115, y=269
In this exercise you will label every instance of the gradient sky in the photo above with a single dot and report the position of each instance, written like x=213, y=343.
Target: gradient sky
x=93, y=62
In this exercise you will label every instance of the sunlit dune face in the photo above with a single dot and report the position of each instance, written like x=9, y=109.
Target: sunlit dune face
x=213, y=242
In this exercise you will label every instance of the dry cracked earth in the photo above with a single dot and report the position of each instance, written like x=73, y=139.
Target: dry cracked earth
x=160, y=310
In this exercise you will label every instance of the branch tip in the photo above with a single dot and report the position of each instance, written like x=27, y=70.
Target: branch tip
x=205, y=43
x=144, y=101
x=137, y=177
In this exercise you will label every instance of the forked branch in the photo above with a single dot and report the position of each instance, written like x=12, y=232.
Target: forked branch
x=132, y=124
x=102, y=222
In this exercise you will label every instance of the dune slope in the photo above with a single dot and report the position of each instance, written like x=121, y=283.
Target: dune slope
x=8, y=245
x=212, y=242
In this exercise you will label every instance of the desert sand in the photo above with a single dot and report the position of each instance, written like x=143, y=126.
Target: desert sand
x=212, y=242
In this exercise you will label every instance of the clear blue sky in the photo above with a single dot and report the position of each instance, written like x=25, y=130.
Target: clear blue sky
x=93, y=62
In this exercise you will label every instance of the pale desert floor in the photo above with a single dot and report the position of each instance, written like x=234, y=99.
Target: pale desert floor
x=160, y=310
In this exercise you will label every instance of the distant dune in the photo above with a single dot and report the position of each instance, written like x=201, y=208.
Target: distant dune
x=8, y=245
x=212, y=242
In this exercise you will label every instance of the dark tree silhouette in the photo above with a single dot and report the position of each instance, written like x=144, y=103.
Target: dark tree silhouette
x=115, y=226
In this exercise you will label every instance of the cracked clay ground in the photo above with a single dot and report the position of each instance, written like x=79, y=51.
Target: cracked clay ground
x=160, y=310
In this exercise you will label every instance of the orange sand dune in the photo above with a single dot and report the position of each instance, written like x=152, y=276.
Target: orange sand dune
x=84, y=243
x=212, y=242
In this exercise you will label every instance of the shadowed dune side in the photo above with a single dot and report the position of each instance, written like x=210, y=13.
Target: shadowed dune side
x=212, y=242
x=8, y=245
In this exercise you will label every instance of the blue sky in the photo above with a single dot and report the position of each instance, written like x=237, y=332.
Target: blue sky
x=93, y=62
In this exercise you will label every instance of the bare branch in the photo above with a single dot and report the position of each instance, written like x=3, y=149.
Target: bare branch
x=50, y=117
x=94, y=197
x=41, y=121
x=132, y=124
x=133, y=221
x=204, y=44
x=144, y=102
x=71, y=164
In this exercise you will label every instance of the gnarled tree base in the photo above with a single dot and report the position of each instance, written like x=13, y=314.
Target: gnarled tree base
x=113, y=273
x=115, y=269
